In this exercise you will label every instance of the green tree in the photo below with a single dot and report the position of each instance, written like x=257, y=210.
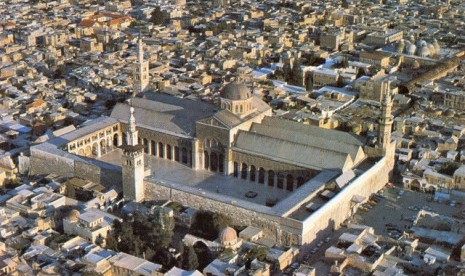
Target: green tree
x=160, y=17
x=208, y=225
x=287, y=71
x=309, y=82
x=258, y=252
x=296, y=73
x=449, y=168
x=340, y=81
x=189, y=259
x=112, y=242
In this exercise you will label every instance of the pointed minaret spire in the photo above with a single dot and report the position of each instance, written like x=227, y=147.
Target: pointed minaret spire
x=132, y=131
x=386, y=119
x=141, y=69
x=140, y=50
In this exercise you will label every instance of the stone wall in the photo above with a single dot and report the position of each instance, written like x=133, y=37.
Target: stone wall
x=257, y=215
x=70, y=165
x=284, y=229
x=339, y=208
x=98, y=174
x=43, y=162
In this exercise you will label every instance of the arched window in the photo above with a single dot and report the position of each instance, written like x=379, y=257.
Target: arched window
x=176, y=153
x=146, y=146
x=280, y=181
x=242, y=108
x=236, y=169
x=161, y=150
x=236, y=109
x=300, y=181
x=271, y=178
x=244, y=171
x=116, y=140
x=261, y=175
x=206, y=160
x=221, y=162
x=289, y=182
x=213, y=162
x=252, y=173
x=168, y=152
x=153, y=145
x=184, y=155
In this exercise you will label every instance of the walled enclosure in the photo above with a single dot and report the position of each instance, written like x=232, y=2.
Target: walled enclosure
x=286, y=230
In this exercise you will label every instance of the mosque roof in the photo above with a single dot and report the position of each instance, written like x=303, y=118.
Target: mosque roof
x=329, y=134
x=310, y=139
x=165, y=113
x=291, y=153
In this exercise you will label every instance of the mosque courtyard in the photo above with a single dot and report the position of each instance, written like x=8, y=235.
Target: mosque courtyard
x=167, y=171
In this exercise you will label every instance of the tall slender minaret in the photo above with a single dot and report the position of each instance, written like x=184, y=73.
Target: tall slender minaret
x=141, y=70
x=386, y=119
x=133, y=163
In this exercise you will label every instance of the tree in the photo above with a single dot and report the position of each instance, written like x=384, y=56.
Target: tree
x=258, y=253
x=287, y=71
x=160, y=17
x=189, y=259
x=296, y=73
x=208, y=225
x=309, y=82
x=111, y=242
x=449, y=168
x=340, y=81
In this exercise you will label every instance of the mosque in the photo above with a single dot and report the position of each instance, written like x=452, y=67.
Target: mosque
x=238, y=146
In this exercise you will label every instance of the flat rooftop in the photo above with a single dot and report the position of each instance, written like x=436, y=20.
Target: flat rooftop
x=171, y=172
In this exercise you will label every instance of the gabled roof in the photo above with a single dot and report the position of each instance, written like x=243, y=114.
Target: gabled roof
x=355, y=151
x=330, y=134
x=291, y=153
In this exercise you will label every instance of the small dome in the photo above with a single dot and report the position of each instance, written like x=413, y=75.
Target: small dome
x=431, y=49
x=411, y=49
x=424, y=51
x=421, y=43
x=73, y=215
x=228, y=236
x=235, y=91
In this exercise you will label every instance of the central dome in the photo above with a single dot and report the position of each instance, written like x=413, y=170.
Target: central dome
x=235, y=91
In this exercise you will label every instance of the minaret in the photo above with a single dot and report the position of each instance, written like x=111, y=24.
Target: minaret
x=133, y=163
x=141, y=70
x=385, y=120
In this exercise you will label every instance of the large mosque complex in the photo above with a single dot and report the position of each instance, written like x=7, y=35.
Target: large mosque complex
x=294, y=181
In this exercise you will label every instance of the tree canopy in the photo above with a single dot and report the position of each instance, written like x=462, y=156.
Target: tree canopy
x=160, y=17
x=208, y=224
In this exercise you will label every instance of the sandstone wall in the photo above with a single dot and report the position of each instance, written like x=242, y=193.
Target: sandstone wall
x=69, y=165
x=43, y=162
x=339, y=208
x=258, y=215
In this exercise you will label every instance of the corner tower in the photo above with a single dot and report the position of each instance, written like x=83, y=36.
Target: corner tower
x=141, y=70
x=385, y=121
x=133, y=163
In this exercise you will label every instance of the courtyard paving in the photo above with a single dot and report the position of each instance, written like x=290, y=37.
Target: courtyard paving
x=167, y=171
